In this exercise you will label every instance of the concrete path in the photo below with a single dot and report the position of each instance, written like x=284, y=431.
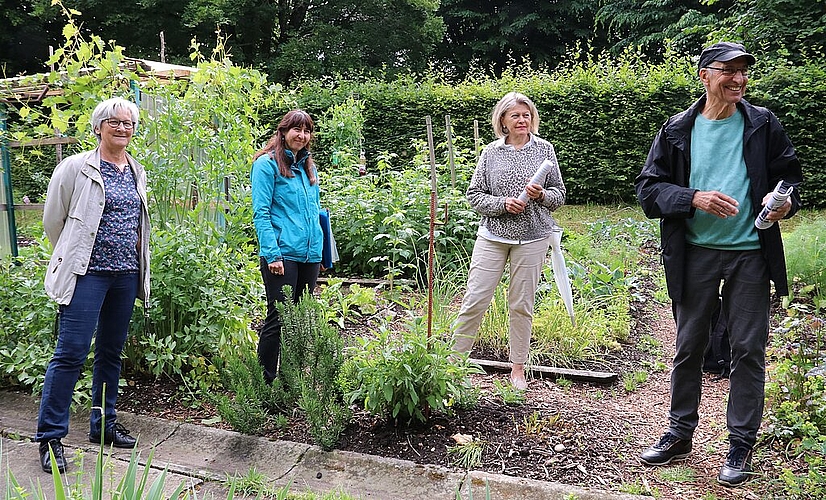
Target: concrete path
x=203, y=458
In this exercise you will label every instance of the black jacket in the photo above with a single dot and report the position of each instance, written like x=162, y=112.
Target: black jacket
x=663, y=192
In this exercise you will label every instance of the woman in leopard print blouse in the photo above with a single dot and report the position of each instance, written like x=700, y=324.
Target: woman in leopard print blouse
x=510, y=230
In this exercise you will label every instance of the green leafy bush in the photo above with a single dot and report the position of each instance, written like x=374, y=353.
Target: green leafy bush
x=407, y=376
x=312, y=357
x=381, y=220
x=204, y=294
x=251, y=402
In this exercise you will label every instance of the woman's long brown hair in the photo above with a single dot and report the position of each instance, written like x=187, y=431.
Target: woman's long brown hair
x=276, y=149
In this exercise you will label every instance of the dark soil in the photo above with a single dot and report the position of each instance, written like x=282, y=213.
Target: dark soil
x=575, y=433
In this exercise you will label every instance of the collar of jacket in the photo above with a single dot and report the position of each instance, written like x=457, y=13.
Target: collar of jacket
x=678, y=128
x=302, y=157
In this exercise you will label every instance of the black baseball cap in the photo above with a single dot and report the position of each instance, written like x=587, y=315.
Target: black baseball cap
x=723, y=51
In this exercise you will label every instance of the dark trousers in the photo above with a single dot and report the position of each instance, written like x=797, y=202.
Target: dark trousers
x=746, y=302
x=302, y=278
x=101, y=306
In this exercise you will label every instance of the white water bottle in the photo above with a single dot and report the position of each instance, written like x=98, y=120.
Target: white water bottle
x=779, y=196
x=537, y=177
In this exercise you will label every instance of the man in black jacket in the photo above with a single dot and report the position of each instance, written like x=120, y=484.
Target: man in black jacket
x=710, y=170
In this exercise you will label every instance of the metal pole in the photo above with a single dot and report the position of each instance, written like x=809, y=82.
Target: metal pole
x=431, y=250
x=450, y=158
x=8, y=192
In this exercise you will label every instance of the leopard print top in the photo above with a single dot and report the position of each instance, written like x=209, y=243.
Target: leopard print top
x=502, y=173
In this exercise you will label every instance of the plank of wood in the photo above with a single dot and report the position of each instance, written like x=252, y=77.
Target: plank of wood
x=49, y=141
x=540, y=371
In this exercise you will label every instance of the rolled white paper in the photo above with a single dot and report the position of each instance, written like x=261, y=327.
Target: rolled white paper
x=779, y=196
x=540, y=174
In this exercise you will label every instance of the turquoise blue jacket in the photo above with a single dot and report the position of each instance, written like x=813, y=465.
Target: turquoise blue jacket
x=285, y=211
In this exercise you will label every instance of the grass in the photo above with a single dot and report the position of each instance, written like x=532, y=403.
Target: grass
x=467, y=455
x=631, y=381
x=677, y=474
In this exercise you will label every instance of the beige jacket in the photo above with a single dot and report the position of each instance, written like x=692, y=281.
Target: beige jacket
x=71, y=215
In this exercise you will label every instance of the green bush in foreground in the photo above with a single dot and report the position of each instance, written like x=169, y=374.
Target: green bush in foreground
x=406, y=376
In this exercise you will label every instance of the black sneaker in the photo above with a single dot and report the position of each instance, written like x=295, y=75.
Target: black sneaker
x=117, y=436
x=737, y=469
x=668, y=449
x=59, y=458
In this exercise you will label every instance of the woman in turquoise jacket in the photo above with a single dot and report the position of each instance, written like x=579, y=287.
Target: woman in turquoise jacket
x=285, y=204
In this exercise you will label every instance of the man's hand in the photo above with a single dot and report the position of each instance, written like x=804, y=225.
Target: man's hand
x=716, y=203
x=778, y=213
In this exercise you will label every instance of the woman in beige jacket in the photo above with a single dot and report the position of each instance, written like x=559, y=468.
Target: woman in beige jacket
x=97, y=220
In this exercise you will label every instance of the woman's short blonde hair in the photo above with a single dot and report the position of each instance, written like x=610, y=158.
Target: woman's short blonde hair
x=109, y=108
x=510, y=100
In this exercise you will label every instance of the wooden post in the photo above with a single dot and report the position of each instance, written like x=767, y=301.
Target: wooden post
x=450, y=154
x=431, y=251
x=476, y=139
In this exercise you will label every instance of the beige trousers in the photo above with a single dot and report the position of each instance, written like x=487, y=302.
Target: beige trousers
x=487, y=265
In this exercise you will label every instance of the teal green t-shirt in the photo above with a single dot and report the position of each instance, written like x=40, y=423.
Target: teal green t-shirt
x=717, y=164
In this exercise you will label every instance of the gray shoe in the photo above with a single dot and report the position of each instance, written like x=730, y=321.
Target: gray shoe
x=668, y=449
x=737, y=469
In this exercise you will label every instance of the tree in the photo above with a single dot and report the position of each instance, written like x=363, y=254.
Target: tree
x=372, y=37
x=793, y=31
x=25, y=36
x=288, y=38
x=495, y=34
x=652, y=25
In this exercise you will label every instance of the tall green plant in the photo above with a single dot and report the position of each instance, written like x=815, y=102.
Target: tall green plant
x=805, y=249
x=86, y=72
x=201, y=132
x=312, y=357
x=203, y=296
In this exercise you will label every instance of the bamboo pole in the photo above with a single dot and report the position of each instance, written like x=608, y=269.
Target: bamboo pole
x=450, y=153
x=431, y=250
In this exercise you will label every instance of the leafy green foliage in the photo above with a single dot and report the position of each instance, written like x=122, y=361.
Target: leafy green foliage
x=28, y=326
x=509, y=394
x=783, y=30
x=407, y=376
x=381, y=220
x=203, y=295
x=652, y=25
x=494, y=34
x=796, y=399
x=251, y=403
x=342, y=304
x=805, y=249
x=796, y=94
x=312, y=357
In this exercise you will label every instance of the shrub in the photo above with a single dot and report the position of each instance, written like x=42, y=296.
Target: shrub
x=312, y=357
x=407, y=376
x=200, y=308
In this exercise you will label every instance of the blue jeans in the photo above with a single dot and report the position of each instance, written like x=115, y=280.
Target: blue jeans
x=101, y=306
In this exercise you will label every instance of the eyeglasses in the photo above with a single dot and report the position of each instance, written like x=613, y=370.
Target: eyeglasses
x=731, y=71
x=114, y=123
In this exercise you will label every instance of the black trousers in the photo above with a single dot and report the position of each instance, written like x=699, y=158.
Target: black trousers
x=301, y=277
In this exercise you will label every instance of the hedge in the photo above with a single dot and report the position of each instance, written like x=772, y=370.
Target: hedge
x=601, y=116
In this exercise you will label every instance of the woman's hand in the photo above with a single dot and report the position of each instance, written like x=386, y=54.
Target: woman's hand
x=535, y=192
x=276, y=267
x=514, y=206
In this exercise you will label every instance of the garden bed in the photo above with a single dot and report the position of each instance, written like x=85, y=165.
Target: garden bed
x=569, y=432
